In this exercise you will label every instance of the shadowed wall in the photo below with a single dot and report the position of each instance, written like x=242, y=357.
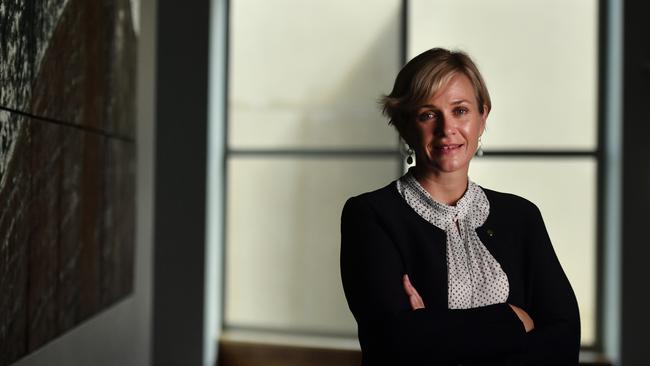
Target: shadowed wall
x=66, y=166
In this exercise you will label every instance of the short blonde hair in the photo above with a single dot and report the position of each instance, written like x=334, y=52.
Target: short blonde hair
x=422, y=77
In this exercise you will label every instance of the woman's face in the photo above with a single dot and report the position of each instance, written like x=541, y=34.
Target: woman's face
x=446, y=129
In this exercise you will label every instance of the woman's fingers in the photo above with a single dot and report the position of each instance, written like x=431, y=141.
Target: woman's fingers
x=410, y=290
x=528, y=322
x=412, y=293
x=416, y=302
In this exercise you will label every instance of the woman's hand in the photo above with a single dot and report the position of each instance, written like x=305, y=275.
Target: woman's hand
x=417, y=303
x=411, y=292
x=524, y=317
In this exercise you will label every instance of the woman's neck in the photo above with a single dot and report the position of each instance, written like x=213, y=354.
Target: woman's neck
x=446, y=188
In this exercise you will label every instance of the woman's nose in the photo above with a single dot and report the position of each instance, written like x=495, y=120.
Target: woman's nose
x=445, y=126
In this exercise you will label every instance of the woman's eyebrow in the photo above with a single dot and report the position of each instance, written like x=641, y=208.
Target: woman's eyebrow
x=454, y=102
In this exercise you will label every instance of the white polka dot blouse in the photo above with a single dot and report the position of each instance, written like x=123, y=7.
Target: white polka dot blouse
x=474, y=277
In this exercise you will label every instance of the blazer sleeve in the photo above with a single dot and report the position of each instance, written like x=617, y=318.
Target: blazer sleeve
x=552, y=302
x=371, y=272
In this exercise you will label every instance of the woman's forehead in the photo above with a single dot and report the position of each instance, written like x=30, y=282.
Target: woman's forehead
x=454, y=89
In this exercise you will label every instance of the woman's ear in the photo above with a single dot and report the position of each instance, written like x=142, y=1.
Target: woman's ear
x=410, y=142
x=484, y=116
x=404, y=133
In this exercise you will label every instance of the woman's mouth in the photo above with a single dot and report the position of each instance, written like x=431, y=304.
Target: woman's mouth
x=448, y=148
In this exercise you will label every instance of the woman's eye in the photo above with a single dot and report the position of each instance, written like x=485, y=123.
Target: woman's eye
x=461, y=111
x=426, y=116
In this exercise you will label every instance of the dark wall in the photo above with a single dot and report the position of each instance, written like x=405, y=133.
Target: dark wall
x=635, y=302
x=66, y=166
x=180, y=175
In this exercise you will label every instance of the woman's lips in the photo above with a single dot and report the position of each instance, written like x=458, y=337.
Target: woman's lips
x=448, y=148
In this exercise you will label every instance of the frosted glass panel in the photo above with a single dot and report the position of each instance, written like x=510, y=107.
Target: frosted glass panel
x=284, y=239
x=565, y=192
x=309, y=73
x=539, y=59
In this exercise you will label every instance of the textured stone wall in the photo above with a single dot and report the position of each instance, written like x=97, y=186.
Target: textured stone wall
x=66, y=165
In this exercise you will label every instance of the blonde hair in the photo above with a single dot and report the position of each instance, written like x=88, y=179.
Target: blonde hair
x=422, y=77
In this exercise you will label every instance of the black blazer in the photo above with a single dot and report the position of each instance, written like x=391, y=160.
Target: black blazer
x=383, y=238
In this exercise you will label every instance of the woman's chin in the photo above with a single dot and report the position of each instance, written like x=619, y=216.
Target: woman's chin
x=437, y=167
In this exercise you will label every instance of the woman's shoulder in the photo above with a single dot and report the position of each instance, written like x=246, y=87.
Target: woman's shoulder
x=378, y=199
x=509, y=202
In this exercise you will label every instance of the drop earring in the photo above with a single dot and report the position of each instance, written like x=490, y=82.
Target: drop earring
x=479, y=150
x=409, y=158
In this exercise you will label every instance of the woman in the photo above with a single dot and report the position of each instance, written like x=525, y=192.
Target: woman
x=438, y=270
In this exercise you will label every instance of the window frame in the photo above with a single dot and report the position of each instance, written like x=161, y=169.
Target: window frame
x=597, y=154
